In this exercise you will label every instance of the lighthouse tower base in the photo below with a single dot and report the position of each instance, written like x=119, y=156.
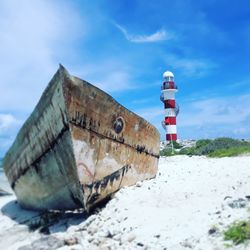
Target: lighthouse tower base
x=171, y=137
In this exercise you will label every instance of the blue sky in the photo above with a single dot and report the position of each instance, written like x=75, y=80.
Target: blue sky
x=124, y=47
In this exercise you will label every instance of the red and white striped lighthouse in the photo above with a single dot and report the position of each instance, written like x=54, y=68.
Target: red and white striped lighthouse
x=168, y=90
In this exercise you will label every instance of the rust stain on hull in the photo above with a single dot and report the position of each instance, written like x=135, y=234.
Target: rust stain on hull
x=79, y=146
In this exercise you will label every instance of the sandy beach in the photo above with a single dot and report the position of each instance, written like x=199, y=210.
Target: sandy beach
x=187, y=206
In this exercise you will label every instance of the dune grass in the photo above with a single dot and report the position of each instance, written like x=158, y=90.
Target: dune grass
x=238, y=232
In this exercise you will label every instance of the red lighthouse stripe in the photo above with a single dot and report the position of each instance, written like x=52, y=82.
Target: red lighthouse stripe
x=168, y=85
x=169, y=103
x=170, y=120
x=171, y=85
x=171, y=137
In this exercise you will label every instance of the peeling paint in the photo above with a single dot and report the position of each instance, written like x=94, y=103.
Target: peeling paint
x=78, y=147
x=85, y=161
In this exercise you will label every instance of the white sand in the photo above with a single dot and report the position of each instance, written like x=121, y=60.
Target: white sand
x=173, y=211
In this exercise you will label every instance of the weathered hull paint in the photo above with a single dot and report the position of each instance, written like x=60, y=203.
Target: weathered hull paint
x=78, y=147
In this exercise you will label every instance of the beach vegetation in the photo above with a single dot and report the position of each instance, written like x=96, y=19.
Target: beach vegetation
x=238, y=232
x=176, y=145
x=171, y=149
x=167, y=151
x=234, y=151
x=219, y=147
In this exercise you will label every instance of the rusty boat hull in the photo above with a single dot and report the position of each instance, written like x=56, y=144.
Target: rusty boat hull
x=78, y=147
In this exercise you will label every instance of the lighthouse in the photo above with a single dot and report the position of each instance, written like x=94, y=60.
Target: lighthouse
x=168, y=90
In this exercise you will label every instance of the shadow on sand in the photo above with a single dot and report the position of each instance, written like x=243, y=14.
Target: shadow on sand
x=48, y=222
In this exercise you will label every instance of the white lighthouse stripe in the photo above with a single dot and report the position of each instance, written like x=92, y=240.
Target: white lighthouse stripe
x=170, y=112
x=171, y=129
x=169, y=94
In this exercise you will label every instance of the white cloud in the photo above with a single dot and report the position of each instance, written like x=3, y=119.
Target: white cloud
x=115, y=81
x=9, y=126
x=111, y=76
x=195, y=67
x=35, y=36
x=150, y=113
x=207, y=118
x=221, y=116
x=241, y=84
x=8, y=121
x=144, y=101
x=159, y=35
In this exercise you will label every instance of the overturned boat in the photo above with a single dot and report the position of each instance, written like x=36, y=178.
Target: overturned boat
x=78, y=147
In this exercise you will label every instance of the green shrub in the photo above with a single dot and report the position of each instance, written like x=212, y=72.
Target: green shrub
x=187, y=151
x=202, y=143
x=230, y=152
x=176, y=145
x=238, y=232
x=205, y=147
x=167, y=152
x=198, y=149
x=220, y=147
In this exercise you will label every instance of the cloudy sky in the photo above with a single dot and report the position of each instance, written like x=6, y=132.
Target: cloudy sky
x=124, y=47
